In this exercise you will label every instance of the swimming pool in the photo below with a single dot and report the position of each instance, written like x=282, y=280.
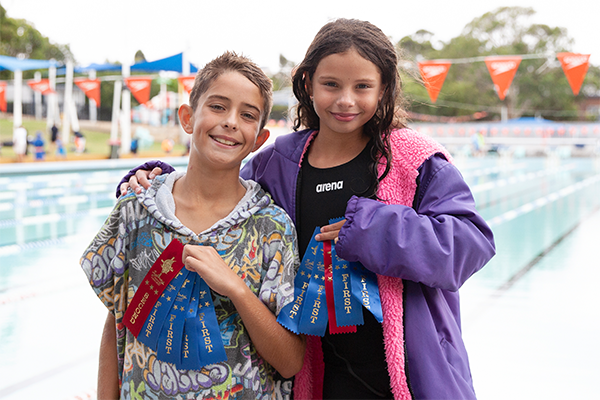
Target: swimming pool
x=530, y=317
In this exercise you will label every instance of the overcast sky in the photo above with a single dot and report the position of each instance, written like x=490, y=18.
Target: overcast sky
x=114, y=30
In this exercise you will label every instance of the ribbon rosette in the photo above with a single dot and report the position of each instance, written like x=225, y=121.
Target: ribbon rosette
x=173, y=314
x=330, y=291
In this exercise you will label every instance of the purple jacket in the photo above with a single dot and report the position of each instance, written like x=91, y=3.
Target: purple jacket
x=392, y=240
x=433, y=249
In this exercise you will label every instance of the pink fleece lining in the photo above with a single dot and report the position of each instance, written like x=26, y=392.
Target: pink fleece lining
x=410, y=149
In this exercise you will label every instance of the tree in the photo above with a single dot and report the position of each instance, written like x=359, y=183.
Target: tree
x=539, y=87
x=20, y=39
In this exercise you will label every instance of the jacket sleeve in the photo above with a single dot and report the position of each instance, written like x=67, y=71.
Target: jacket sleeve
x=148, y=166
x=440, y=242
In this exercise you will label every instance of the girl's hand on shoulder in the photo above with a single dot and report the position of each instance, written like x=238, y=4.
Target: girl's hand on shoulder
x=141, y=179
x=210, y=266
x=330, y=232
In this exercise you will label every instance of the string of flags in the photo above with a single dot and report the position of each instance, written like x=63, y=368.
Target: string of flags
x=502, y=70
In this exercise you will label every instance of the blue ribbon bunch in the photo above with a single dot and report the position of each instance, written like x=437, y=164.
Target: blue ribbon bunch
x=182, y=327
x=353, y=286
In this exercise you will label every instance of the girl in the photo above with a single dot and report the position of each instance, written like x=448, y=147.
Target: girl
x=408, y=216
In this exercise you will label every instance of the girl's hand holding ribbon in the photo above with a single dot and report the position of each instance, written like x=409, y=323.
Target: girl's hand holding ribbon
x=330, y=232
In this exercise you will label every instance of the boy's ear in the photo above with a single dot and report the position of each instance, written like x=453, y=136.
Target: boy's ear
x=262, y=137
x=186, y=118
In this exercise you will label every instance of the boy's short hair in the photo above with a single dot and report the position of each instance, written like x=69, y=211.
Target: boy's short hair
x=231, y=62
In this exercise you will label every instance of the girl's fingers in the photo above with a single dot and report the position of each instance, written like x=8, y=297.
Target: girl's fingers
x=330, y=232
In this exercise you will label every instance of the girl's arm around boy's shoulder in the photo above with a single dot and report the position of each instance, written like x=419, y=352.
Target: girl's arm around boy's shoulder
x=440, y=243
x=148, y=167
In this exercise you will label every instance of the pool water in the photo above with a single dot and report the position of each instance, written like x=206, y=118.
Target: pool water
x=530, y=317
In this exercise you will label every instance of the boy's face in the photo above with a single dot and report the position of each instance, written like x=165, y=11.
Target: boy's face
x=226, y=123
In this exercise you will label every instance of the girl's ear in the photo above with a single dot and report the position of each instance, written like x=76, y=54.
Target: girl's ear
x=186, y=115
x=381, y=92
x=308, y=84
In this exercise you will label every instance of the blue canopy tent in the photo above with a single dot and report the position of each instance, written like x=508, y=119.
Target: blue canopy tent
x=92, y=67
x=15, y=64
x=173, y=63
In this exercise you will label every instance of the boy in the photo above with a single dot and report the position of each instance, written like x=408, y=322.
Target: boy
x=209, y=208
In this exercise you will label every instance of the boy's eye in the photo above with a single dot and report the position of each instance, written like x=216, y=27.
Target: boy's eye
x=217, y=107
x=249, y=116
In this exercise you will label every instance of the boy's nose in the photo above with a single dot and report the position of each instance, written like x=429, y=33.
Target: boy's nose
x=230, y=122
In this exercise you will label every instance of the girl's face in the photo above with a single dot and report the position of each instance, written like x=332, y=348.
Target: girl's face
x=346, y=89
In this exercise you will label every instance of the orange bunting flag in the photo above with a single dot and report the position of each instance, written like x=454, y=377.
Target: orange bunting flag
x=3, y=96
x=140, y=88
x=91, y=88
x=42, y=86
x=433, y=74
x=575, y=67
x=187, y=82
x=502, y=70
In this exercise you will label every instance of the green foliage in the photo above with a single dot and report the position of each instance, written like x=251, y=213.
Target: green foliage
x=20, y=39
x=539, y=87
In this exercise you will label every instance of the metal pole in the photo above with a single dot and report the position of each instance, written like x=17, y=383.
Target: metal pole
x=38, y=97
x=66, y=121
x=126, y=115
x=52, y=98
x=18, y=105
x=93, y=105
x=114, y=126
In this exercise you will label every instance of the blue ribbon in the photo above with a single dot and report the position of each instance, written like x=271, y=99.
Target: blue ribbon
x=210, y=345
x=150, y=333
x=169, y=342
x=347, y=308
x=365, y=289
x=290, y=315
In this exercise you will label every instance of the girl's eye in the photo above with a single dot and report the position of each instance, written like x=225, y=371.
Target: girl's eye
x=362, y=86
x=331, y=84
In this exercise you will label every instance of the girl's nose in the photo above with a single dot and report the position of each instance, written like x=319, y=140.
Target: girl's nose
x=346, y=98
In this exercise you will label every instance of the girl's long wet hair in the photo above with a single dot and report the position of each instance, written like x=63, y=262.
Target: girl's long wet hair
x=372, y=44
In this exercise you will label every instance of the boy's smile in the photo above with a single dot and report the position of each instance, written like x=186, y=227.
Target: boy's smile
x=226, y=122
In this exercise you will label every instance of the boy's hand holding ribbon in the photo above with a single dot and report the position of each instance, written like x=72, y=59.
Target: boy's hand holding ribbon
x=207, y=262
